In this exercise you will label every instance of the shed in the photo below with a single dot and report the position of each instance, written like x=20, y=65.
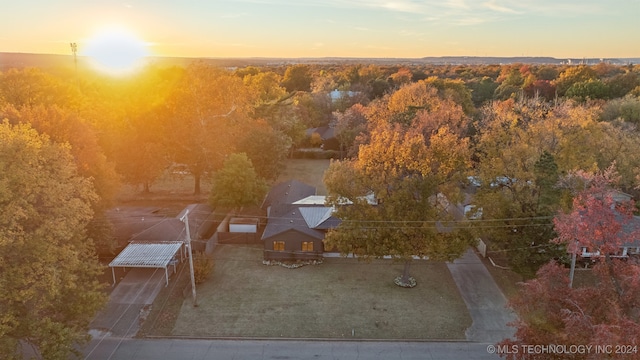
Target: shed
x=243, y=225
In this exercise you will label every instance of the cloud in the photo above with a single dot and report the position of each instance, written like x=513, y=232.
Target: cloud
x=492, y=5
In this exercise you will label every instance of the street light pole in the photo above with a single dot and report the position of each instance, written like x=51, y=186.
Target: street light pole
x=185, y=219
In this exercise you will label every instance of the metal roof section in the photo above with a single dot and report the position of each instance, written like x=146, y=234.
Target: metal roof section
x=311, y=200
x=285, y=217
x=147, y=255
x=314, y=216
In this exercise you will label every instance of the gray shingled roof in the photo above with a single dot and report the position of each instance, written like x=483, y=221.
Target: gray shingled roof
x=287, y=193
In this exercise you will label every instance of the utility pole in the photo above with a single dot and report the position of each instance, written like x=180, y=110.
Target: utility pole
x=185, y=220
x=573, y=264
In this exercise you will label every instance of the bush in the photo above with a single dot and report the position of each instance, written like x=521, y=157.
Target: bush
x=627, y=108
x=202, y=267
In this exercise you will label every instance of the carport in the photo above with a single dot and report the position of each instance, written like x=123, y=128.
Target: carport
x=147, y=255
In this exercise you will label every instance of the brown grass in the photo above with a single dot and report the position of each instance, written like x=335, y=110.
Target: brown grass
x=341, y=298
x=309, y=171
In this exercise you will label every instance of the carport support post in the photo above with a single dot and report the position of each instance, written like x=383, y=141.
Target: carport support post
x=185, y=219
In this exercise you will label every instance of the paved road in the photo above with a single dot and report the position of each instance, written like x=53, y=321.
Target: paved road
x=484, y=300
x=176, y=349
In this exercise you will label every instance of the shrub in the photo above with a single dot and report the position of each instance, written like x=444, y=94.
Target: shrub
x=202, y=267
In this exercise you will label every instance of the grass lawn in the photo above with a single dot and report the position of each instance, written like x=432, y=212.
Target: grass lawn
x=341, y=298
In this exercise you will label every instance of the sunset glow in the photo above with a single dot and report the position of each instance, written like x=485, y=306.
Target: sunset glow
x=331, y=28
x=115, y=50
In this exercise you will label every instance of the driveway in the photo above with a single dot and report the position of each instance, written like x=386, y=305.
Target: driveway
x=128, y=304
x=484, y=299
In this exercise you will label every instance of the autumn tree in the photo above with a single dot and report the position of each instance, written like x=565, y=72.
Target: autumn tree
x=48, y=269
x=266, y=85
x=141, y=153
x=348, y=125
x=137, y=140
x=572, y=75
x=32, y=86
x=65, y=126
x=237, y=184
x=606, y=312
x=517, y=149
x=402, y=77
x=204, y=115
x=395, y=198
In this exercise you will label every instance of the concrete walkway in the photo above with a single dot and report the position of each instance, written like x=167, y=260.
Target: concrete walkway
x=484, y=299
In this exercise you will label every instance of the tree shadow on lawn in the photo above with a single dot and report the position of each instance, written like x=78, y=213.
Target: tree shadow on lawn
x=341, y=298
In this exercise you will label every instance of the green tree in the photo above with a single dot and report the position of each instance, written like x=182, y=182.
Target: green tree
x=48, y=269
x=297, y=78
x=622, y=84
x=413, y=181
x=482, y=90
x=588, y=90
x=237, y=184
x=267, y=149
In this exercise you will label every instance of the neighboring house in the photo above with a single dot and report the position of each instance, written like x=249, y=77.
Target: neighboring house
x=297, y=223
x=328, y=136
x=337, y=95
x=625, y=250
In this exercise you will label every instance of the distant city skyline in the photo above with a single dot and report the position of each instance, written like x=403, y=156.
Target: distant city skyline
x=332, y=28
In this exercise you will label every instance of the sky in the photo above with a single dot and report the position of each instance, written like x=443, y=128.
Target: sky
x=332, y=28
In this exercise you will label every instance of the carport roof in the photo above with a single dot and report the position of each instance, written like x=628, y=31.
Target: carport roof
x=147, y=255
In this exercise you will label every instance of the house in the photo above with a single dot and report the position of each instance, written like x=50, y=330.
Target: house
x=631, y=248
x=296, y=224
x=328, y=136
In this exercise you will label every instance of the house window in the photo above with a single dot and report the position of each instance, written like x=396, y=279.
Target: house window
x=278, y=245
x=307, y=246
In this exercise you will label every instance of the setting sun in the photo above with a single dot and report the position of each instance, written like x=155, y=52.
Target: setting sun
x=115, y=50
